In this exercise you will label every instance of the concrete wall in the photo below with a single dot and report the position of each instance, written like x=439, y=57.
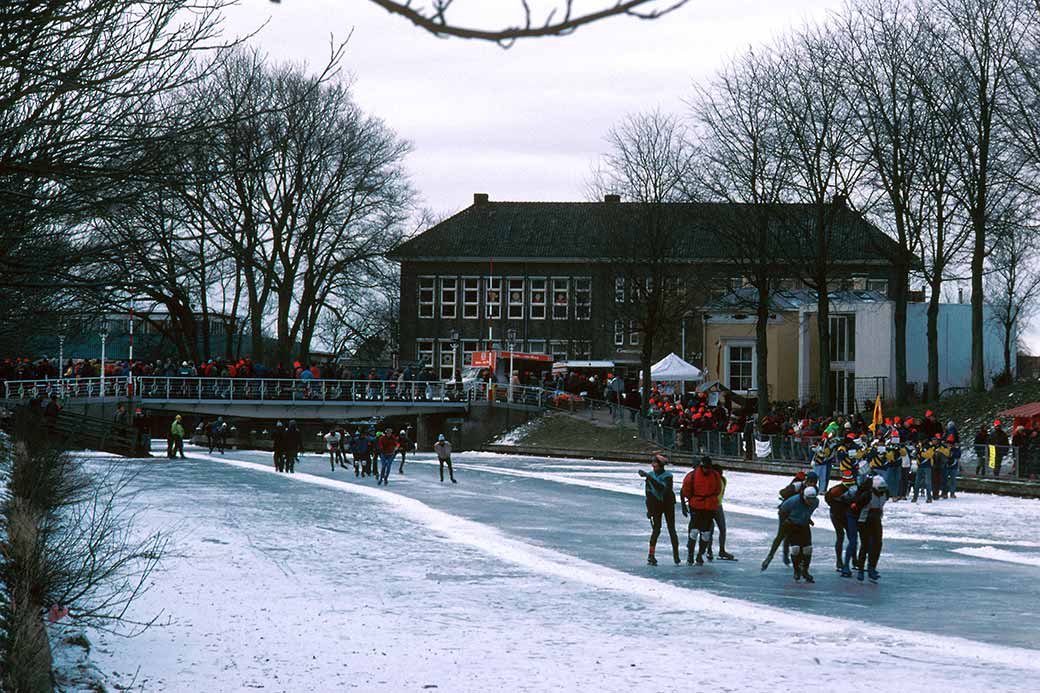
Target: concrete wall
x=954, y=345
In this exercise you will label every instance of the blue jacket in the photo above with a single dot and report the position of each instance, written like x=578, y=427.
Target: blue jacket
x=659, y=488
x=797, y=510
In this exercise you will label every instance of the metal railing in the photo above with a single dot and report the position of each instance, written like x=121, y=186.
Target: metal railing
x=67, y=388
x=286, y=390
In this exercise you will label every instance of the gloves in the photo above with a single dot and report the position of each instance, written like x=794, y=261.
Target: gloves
x=642, y=473
x=685, y=512
x=649, y=515
x=854, y=507
x=811, y=523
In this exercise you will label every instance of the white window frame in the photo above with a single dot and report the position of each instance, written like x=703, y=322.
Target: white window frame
x=424, y=352
x=633, y=333
x=561, y=285
x=515, y=297
x=493, y=298
x=879, y=285
x=741, y=344
x=449, y=286
x=582, y=349
x=537, y=346
x=583, y=286
x=444, y=359
x=619, y=333
x=619, y=289
x=427, y=309
x=470, y=298
x=537, y=310
x=558, y=349
x=468, y=347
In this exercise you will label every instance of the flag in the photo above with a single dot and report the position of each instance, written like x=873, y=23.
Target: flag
x=992, y=456
x=878, y=416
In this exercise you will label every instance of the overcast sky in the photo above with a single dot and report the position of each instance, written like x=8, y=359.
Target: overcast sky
x=524, y=123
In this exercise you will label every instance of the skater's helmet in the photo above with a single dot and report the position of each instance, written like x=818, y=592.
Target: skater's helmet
x=441, y=437
x=809, y=492
x=879, y=483
x=705, y=461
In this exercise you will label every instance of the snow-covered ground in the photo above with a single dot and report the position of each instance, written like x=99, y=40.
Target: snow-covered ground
x=527, y=576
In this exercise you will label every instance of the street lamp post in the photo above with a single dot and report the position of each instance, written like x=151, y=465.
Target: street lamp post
x=104, y=339
x=511, y=339
x=61, y=356
x=454, y=353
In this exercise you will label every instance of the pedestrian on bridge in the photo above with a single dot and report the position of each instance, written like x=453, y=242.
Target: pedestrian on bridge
x=660, y=503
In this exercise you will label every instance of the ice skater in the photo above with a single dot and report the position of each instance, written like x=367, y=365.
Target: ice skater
x=720, y=517
x=443, y=449
x=796, y=513
x=839, y=499
x=870, y=530
x=800, y=480
x=406, y=446
x=660, y=502
x=700, y=489
x=387, y=451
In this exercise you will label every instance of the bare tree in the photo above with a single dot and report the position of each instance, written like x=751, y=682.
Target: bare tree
x=983, y=40
x=744, y=162
x=559, y=17
x=823, y=135
x=1013, y=282
x=650, y=163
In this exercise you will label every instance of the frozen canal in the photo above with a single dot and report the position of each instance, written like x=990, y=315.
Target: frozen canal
x=530, y=575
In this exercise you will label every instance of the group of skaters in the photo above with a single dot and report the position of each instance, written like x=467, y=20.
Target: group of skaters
x=895, y=463
x=369, y=453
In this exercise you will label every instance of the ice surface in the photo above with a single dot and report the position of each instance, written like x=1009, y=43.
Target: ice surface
x=527, y=575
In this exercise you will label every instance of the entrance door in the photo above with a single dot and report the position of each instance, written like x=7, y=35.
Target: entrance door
x=843, y=390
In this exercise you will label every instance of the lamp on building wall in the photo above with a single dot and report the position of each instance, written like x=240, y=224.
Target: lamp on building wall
x=511, y=341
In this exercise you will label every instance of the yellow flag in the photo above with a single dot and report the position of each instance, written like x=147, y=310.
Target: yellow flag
x=992, y=456
x=878, y=416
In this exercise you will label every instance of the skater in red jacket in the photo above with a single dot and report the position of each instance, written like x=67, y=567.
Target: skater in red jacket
x=700, y=490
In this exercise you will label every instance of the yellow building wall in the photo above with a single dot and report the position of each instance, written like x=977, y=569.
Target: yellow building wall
x=782, y=359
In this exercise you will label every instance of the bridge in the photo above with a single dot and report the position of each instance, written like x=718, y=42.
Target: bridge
x=252, y=398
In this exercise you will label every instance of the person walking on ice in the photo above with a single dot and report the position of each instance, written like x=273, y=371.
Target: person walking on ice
x=660, y=502
x=443, y=449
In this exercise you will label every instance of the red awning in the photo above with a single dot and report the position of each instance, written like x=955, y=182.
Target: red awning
x=1026, y=411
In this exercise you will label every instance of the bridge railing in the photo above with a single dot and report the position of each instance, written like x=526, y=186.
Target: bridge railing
x=288, y=390
x=66, y=388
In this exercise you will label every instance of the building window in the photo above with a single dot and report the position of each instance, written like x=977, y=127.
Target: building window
x=424, y=352
x=537, y=298
x=426, y=297
x=493, y=297
x=561, y=298
x=516, y=299
x=449, y=295
x=843, y=337
x=471, y=298
x=879, y=285
x=447, y=356
x=582, y=349
x=468, y=347
x=633, y=333
x=537, y=346
x=619, y=289
x=558, y=350
x=740, y=361
x=583, y=298
x=619, y=333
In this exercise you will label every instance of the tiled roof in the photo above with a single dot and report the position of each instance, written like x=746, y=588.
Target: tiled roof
x=741, y=299
x=592, y=230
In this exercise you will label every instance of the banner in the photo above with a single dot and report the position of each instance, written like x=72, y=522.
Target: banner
x=992, y=456
x=878, y=417
x=763, y=448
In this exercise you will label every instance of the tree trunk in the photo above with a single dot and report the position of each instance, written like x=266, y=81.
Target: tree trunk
x=902, y=291
x=978, y=363
x=645, y=361
x=762, y=350
x=933, y=340
x=823, y=315
x=1008, y=324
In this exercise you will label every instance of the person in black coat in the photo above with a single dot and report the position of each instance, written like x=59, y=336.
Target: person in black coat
x=293, y=445
x=981, y=451
x=999, y=439
x=278, y=442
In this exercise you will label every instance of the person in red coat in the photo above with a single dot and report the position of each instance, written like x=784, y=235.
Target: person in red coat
x=700, y=490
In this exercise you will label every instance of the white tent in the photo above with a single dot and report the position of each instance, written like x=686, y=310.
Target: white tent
x=672, y=368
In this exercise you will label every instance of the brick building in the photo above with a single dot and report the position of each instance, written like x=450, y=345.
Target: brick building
x=551, y=272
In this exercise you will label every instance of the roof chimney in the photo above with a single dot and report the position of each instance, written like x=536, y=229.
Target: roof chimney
x=840, y=200
x=611, y=198
x=480, y=198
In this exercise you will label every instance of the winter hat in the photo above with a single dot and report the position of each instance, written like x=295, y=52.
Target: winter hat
x=705, y=461
x=929, y=413
x=951, y=439
x=996, y=424
x=809, y=492
x=659, y=459
x=441, y=437
x=812, y=476
x=847, y=477
x=879, y=483
x=938, y=436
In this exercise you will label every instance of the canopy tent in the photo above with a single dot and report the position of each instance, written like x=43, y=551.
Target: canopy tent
x=674, y=369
